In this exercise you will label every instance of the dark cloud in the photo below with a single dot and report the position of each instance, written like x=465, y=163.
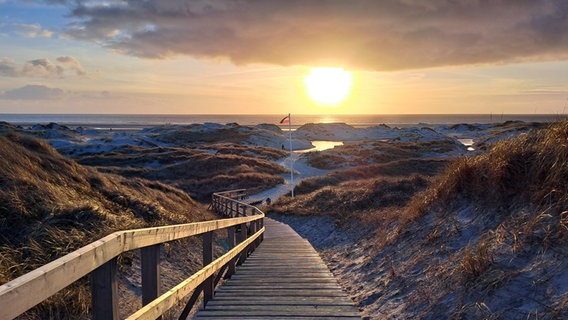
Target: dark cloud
x=370, y=34
x=33, y=92
x=43, y=68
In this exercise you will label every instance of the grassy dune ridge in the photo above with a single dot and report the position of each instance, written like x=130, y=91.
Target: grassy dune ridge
x=199, y=172
x=51, y=205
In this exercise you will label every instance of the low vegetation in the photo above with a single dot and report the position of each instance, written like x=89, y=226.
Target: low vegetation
x=377, y=152
x=50, y=206
x=486, y=238
x=196, y=171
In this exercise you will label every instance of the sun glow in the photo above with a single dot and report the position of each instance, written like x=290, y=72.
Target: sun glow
x=328, y=86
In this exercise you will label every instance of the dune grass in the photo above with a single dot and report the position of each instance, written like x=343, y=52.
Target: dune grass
x=376, y=152
x=198, y=172
x=50, y=206
x=485, y=238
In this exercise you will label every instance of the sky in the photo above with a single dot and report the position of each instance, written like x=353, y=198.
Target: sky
x=251, y=57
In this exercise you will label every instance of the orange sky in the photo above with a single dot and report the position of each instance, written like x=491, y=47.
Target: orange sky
x=205, y=57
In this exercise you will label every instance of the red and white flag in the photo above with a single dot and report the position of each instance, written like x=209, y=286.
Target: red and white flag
x=286, y=119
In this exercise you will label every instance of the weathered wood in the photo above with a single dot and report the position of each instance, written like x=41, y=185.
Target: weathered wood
x=150, y=259
x=208, y=285
x=174, y=295
x=24, y=292
x=283, y=278
x=104, y=289
x=243, y=234
x=231, y=241
x=191, y=302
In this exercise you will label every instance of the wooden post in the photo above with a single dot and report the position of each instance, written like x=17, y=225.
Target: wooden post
x=261, y=225
x=208, y=285
x=104, y=289
x=150, y=257
x=231, y=242
x=253, y=229
x=243, y=235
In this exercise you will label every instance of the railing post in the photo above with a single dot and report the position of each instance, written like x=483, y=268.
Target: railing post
x=231, y=240
x=104, y=289
x=243, y=235
x=150, y=257
x=208, y=285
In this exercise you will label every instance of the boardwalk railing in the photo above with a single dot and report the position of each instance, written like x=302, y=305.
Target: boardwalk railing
x=99, y=259
x=230, y=204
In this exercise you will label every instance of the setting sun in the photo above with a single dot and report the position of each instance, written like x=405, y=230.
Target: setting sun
x=328, y=86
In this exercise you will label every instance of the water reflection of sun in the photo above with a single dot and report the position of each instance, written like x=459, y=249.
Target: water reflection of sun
x=328, y=86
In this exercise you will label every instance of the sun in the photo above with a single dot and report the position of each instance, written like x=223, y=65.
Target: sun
x=328, y=86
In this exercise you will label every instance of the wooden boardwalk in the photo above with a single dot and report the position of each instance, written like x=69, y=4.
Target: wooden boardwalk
x=283, y=279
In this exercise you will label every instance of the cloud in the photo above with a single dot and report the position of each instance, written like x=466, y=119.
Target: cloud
x=33, y=31
x=33, y=92
x=71, y=63
x=367, y=34
x=42, y=68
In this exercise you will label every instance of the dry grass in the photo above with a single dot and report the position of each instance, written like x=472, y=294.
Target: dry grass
x=398, y=168
x=197, y=172
x=485, y=239
x=376, y=152
x=266, y=153
x=51, y=206
x=362, y=200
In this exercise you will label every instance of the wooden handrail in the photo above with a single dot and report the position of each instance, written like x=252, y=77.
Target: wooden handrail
x=174, y=295
x=225, y=204
x=23, y=293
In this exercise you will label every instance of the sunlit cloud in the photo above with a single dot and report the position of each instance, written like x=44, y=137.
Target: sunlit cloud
x=366, y=34
x=42, y=68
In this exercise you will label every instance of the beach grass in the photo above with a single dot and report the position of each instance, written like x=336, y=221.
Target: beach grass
x=51, y=205
x=484, y=238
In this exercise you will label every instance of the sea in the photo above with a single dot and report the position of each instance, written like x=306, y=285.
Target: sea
x=139, y=121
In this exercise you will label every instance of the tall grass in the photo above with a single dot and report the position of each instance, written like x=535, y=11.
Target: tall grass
x=50, y=206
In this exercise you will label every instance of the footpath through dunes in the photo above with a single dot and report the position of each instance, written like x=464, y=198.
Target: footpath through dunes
x=284, y=278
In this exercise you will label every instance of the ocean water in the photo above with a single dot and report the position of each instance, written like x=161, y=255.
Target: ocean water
x=140, y=121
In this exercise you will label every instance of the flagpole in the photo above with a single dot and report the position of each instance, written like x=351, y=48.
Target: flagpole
x=291, y=158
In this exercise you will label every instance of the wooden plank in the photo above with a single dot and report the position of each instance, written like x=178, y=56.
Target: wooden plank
x=321, y=301
x=285, y=308
x=279, y=313
x=219, y=317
